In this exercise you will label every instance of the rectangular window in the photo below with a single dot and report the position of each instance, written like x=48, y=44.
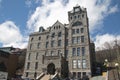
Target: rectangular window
x=30, y=46
x=59, y=34
x=52, y=53
x=83, y=51
x=59, y=42
x=73, y=40
x=79, y=63
x=66, y=53
x=78, y=51
x=28, y=65
x=35, y=75
x=36, y=56
x=66, y=43
x=73, y=31
x=77, y=31
x=52, y=43
x=47, y=36
x=73, y=51
x=39, y=38
x=29, y=56
x=74, y=75
x=59, y=52
x=84, y=73
x=36, y=65
x=38, y=46
x=78, y=39
x=79, y=75
x=82, y=30
x=53, y=35
x=84, y=64
x=74, y=64
x=47, y=44
x=27, y=74
x=82, y=39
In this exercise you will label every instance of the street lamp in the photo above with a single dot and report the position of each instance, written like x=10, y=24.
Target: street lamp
x=116, y=65
x=106, y=63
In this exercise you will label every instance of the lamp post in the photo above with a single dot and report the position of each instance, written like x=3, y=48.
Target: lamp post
x=116, y=65
x=107, y=65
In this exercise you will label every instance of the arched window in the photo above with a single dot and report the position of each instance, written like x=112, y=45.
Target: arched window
x=59, y=34
x=53, y=35
x=39, y=38
x=77, y=23
x=32, y=39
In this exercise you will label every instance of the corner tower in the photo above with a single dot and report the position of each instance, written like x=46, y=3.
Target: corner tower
x=79, y=43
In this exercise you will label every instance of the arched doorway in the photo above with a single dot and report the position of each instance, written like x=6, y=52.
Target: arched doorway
x=51, y=69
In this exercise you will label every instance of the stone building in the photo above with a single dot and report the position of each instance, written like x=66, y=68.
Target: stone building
x=8, y=61
x=69, y=43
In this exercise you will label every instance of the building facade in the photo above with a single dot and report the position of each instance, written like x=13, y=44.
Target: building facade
x=8, y=61
x=71, y=41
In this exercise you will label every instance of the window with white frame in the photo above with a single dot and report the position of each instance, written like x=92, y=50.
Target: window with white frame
x=79, y=63
x=84, y=64
x=74, y=63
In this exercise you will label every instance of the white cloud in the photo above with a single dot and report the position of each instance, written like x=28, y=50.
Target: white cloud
x=10, y=35
x=28, y=3
x=49, y=12
x=102, y=41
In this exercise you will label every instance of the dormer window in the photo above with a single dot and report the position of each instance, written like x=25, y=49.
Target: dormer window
x=77, y=9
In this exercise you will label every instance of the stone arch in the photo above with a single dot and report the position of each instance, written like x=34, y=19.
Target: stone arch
x=51, y=68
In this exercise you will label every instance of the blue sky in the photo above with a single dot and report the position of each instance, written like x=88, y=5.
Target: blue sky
x=18, y=18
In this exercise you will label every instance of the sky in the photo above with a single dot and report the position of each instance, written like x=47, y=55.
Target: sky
x=19, y=18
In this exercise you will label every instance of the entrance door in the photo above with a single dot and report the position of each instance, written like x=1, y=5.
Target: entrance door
x=51, y=69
